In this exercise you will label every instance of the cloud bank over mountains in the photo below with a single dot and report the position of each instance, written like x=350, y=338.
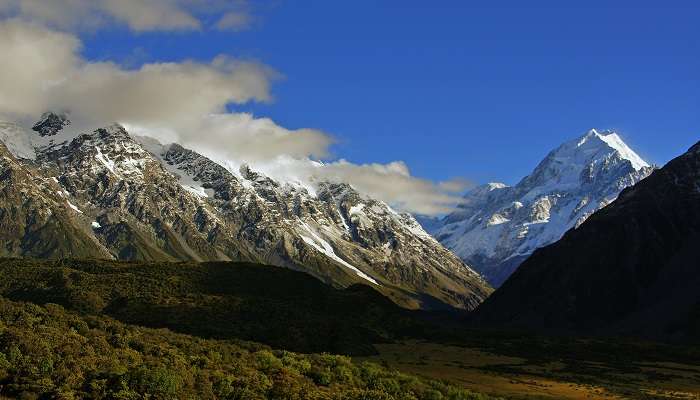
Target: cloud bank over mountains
x=185, y=102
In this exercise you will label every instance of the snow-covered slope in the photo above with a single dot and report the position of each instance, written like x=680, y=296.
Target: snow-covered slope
x=135, y=198
x=498, y=226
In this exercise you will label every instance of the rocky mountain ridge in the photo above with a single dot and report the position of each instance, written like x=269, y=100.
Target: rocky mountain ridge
x=130, y=198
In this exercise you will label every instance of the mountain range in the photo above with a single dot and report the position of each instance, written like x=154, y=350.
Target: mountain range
x=498, y=226
x=630, y=269
x=108, y=194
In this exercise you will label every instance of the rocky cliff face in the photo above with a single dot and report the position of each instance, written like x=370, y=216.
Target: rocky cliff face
x=631, y=268
x=498, y=226
x=135, y=199
x=36, y=218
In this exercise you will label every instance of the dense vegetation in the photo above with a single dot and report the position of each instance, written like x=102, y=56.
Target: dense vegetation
x=68, y=330
x=49, y=352
x=275, y=306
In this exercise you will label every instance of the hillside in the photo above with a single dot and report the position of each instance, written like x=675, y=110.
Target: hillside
x=222, y=300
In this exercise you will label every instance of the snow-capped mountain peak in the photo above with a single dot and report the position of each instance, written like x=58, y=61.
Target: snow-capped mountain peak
x=582, y=162
x=609, y=140
x=613, y=140
x=497, y=226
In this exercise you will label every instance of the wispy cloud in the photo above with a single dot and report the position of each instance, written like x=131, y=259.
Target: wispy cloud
x=147, y=15
x=234, y=21
x=392, y=182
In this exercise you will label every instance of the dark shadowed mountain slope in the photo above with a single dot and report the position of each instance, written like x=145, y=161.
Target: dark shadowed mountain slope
x=631, y=268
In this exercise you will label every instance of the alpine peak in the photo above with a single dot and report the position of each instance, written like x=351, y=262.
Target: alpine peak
x=51, y=123
x=606, y=141
x=496, y=227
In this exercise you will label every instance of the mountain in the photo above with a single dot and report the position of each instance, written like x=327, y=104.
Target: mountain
x=107, y=194
x=631, y=268
x=498, y=226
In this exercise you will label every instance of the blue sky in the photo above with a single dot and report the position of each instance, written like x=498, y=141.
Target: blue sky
x=458, y=88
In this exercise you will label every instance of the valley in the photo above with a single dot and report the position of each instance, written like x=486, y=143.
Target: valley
x=368, y=200
x=518, y=373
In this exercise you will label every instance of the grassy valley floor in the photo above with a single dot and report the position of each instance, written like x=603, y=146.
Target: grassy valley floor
x=549, y=377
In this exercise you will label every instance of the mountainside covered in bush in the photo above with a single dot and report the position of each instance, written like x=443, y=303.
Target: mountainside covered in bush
x=49, y=352
x=223, y=300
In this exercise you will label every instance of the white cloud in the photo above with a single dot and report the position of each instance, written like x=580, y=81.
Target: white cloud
x=391, y=183
x=58, y=13
x=394, y=184
x=146, y=15
x=137, y=15
x=234, y=21
x=168, y=93
x=236, y=137
x=42, y=69
x=34, y=60
x=186, y=102
x=457, y=185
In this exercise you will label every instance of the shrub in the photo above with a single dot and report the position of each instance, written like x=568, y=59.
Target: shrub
x=267, y=361
x=160, y=382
